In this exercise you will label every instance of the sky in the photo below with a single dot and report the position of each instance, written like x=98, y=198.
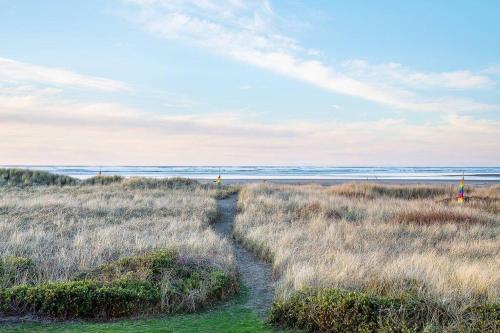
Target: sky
x=261, y=82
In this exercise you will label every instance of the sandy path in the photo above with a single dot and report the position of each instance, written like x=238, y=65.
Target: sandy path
x=254, y=273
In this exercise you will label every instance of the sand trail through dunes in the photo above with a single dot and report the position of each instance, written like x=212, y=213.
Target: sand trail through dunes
x=254, y=273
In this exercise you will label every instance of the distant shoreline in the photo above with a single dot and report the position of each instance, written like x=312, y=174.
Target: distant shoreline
x=288, y=174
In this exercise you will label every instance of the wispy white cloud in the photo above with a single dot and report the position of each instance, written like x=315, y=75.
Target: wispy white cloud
x=17, y=72
x=399, y=74
x=245, y=31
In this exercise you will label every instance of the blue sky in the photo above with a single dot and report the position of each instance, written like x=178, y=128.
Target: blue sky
x=211, y=82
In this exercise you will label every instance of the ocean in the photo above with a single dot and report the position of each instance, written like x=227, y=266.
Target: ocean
x=281, y=172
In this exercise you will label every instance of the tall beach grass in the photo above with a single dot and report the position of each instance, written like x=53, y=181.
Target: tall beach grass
x=54, y=239
x=381, y=240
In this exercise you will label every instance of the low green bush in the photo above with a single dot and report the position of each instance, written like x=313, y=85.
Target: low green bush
x=333, y=310
x=81, y=299
x=150, y=283
x=25, y=177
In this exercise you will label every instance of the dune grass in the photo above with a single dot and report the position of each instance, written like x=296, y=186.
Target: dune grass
x=389, y=242
x=25, y=177
x=53, y=239
x=72, y=229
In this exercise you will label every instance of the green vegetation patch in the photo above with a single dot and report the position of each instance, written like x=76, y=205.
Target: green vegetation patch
x=228, y=320
x=161, y=282
x=25, y=177
x=231, y=317
x=333, y=310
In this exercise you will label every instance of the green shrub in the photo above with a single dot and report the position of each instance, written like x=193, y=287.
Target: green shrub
x=149, y=283
x=25, y=177
x=333, y=310
x=82, y=299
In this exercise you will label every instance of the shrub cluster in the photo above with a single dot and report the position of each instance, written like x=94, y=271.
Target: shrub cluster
x=150, y=283
x=25, y=177
x=334, y=310
x=81, y=299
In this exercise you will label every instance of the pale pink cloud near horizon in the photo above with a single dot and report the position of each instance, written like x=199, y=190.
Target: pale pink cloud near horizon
x=136, y=138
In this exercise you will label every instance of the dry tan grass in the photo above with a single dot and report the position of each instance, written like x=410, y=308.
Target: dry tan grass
x=371, y=190
x=366, y=238
x=72, y=229
x=484, y=198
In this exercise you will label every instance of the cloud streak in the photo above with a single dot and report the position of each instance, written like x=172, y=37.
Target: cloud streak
x=245, y=31
x=398, y=74
x=16, y=72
